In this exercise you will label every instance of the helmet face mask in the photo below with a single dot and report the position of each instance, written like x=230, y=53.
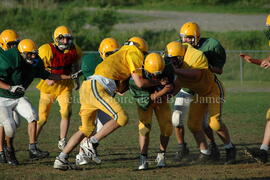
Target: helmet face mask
x=12, y=44
x=154, y=76
x=64, y=41
x=176, y=60
x=267, y=33
x=30, y=57
x=189, y=39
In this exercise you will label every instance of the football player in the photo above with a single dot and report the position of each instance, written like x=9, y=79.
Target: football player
x=97, y=93
x=153, y=99
x=60, y=57
x=18, y=67
x=216, y=56
x=192, y=70
x=107, y=47
x=260, y=154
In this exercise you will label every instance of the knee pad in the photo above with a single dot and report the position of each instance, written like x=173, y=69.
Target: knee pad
x=177, y=118
x=144, y=129
x=10, y=129
x=215, y=123
x=122, y=118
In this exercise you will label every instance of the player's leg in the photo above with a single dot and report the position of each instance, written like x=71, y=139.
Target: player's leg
x=215, y=121
x=9, y=125
x=181, y=108
x=195, y=123
x=45, y=103
x=2, y=141
x=110, y=106
x=163, y=113
x=145, y=122
x=215, y=154
x=101, y=119
x=65, y=103
x=27, y=111
x=261, y=154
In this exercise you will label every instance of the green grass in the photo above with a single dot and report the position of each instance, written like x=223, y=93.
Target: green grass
x=244, y=114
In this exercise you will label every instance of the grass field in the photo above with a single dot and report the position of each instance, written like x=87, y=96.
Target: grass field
x=244, y=114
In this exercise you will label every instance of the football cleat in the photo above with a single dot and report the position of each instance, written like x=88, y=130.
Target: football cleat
x=182, y=152
x=258, y=155
x=143, y=163
x=35, y=154
x=10, y=157
x=3, y=157
x=230, y=155
x=90, y=150
x=64, y=164
x=160, y=160
x=215, y=154
x=62, y=143
x=82, y=159
x=203, y=159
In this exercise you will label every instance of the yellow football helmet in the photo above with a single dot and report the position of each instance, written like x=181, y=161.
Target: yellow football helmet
x=154, y=63
x=267, y=23
x=140, y=43
x=59, y=33
x=192, y=30
x=107, y=47
x=28, y=50
x=27, y=45
x=175, y=49
x=8, y=39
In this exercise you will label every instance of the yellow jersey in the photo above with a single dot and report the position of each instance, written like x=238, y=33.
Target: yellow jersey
x=195, y=59
x=49, y=54
x=121, y=64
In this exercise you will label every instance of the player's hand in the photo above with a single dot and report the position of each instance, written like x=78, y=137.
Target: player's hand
x=247, y=58
x=265, y=64
x=50, y=82
x=18, y=89
x=164, y=81
x=76, y=74
x=77, y=85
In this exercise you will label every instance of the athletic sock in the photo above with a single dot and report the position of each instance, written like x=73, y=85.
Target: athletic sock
x=63, y=155
x=264, y=147
x=32, y=146
x=205, y=151
x=228, y=146
x=93, y=139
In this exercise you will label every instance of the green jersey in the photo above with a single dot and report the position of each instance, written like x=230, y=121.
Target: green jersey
x=142, y=95
x=213, y=50
x=89, y=63
x=15, y=71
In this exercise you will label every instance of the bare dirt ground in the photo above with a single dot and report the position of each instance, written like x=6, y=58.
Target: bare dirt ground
x=208, y=21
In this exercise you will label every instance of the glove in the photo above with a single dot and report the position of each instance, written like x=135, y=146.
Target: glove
x=76, y=74
x=17, y=89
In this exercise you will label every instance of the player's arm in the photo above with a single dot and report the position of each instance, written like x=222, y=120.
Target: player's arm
x=192, y=74
x=249, y=59
x=165, y=90
x=143, y=83
x=4, y=85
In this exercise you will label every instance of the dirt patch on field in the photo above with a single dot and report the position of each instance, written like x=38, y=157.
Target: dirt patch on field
x=208, y=21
